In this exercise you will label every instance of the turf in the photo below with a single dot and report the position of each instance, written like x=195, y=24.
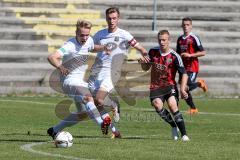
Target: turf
x=214, y=133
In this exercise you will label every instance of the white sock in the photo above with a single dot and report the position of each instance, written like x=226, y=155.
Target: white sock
x=71, y=119
x=67, y=122
x=108, y=102
x=93, y=113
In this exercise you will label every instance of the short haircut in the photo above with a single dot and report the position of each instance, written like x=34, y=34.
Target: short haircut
x=187, y=19
x=162, y=32
x=112, y=10
x=83, y=24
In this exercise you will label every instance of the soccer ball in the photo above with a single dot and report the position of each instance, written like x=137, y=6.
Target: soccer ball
x=63, y=140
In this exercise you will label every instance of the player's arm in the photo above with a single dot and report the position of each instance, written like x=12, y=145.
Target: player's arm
x=55, y=60
x=145, y=62
x=183, y=74
x=135, y=44
x=97, y=47
x=141, y=49
x=183, y=86
x=198, y=54
x=101, y=48
x=198, y=48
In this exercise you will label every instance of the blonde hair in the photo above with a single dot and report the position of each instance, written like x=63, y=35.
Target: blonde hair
x=163, y=32
x=83, y=24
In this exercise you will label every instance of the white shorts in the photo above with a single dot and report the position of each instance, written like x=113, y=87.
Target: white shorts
x=95, y=84
x=75, y=88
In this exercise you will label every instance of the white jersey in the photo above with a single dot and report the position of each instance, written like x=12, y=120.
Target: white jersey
x=118, y=42
x=75, y=57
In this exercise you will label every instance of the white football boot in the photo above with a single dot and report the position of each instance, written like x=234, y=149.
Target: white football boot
x=185, y=138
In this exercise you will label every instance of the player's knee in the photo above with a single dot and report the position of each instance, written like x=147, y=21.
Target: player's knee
x=173, y=108
x=173, y=105
x=157, y=103
x=88, y=98
x=99, y=102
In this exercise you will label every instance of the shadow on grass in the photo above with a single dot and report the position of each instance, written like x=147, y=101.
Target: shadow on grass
x=24, y=139
x=21, y=140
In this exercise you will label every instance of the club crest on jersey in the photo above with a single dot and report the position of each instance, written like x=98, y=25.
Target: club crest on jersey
x=169, y=60
x=116, y=39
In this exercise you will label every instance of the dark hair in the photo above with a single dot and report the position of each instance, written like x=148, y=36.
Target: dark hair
x=161, y=32
x=83, y=24
x=112, y=10
x=187, y=19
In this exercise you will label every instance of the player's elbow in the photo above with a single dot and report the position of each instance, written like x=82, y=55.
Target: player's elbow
x=50, y=58
x=53, y=57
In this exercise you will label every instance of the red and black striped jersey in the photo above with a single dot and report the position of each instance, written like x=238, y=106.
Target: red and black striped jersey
x=164, y=67
x=190, y=44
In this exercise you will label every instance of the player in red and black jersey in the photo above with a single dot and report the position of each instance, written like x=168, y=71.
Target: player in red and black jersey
x=164, y=63
x=190, y=48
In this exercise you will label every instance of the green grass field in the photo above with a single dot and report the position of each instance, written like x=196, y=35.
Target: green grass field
x=214, y=133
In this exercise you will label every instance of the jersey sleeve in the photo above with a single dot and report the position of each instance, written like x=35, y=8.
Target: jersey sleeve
x=198, y=43
x=178, y=49
x=179, y=64
x=65, y=48
x=131, y=40
x=91, y=44
x=96, y=38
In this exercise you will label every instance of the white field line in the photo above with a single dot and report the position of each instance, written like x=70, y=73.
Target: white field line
x=130, y=108
x=23, y=101
x=204, y=113
x=28, y=148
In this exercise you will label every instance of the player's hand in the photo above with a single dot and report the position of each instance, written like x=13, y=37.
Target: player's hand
x=185, y=54
x=107, y=49
x=64, y=71
x=144, y=59
x=184, y=94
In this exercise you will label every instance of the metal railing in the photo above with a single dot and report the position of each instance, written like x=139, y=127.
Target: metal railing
x=154, y=23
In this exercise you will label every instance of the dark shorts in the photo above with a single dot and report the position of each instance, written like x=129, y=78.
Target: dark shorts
x=192, y=76
x=192, y=84
x=164, y=94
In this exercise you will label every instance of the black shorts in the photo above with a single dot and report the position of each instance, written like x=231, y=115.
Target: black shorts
x=164, y=93
x=192, y=76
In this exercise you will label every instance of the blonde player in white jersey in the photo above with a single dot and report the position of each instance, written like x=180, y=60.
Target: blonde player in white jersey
x=71, y=60
x=106, y=69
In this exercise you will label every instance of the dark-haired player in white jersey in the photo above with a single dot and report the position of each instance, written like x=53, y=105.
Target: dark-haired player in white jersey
x=106, y=69
x=190, y=48
x=164, y=63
